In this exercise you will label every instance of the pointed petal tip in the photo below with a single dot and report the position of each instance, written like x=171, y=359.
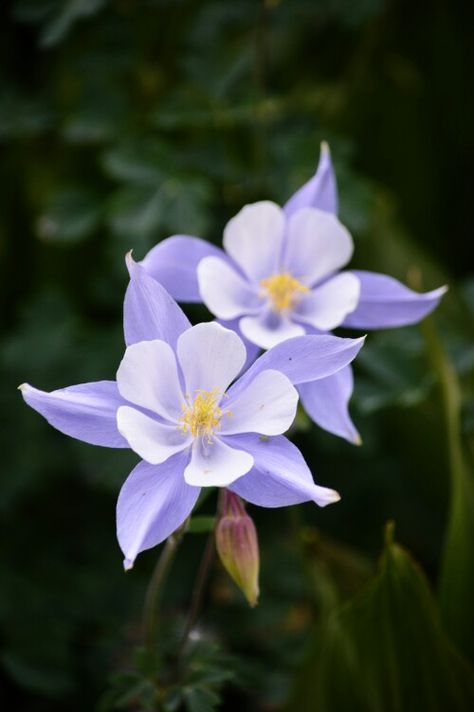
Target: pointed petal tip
x=360, y=341
x=330, y=497
x=23, y=387
x=128, y=564
x=129, y=261
x=334, y=497
x=324, y=147
x=435, y=293
x=356, y=440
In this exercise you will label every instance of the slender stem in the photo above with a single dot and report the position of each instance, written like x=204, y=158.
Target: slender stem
x=201, y=579
x=455, y=579
x=198, y=591
x=150, y=609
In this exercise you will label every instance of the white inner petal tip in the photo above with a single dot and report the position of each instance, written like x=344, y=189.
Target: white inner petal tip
x=216, y=464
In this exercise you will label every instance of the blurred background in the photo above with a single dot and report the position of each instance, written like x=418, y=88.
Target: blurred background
x=123, y=122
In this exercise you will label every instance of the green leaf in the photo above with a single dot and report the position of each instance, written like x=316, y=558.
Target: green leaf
x=70, y=215
x=200, y=699
x=23, y=116
x=136, y=212
x=171, y=206
x=456, y=585
x=386, y=650
x=394, y=371
x=57, y=16
x=138, y=162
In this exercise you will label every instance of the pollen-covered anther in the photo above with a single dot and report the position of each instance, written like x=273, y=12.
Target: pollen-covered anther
x=283, y=290
x=202, y=417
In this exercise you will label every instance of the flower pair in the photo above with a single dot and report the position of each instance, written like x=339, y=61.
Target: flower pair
x=196, y=403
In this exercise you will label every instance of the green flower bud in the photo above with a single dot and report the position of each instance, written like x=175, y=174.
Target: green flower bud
x=237, y=546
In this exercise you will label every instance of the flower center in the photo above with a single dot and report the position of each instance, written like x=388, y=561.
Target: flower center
x=283, y=290
x=202, y=416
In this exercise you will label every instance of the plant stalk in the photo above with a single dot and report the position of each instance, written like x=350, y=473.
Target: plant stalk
x=155, y=586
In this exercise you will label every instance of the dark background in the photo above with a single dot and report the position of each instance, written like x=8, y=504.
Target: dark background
x=124, y=122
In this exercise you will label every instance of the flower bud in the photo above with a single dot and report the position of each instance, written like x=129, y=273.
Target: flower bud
x=237, y=546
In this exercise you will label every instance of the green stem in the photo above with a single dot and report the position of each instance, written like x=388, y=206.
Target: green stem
x=198, y=591
x=201, y=580
x=150, y=609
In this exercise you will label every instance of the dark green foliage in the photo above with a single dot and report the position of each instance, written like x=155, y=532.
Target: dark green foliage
x=122, y=122
x=386, y=650
x=192, y=683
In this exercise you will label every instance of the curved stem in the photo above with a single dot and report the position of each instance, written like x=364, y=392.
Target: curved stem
x=150, y=608
x=198, y=591
x=201, y=580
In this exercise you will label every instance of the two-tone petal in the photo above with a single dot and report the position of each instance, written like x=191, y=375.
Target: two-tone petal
x=303, y=359
x=173, y=263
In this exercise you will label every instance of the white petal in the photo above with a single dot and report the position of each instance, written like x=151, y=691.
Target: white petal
x=269, y=329
x=254, y=238
x=267, y=406
x=148, y=376
x=224, y=292
x=326, y=307
x=317, y=245
x=210, y=357
x=153, y=441
x=215, y=464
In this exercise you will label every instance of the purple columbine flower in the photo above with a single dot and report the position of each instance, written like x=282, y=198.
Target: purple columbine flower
x=180, y=404
x=279, y=276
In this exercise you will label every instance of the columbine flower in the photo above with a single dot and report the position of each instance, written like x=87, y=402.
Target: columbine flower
x=279, y=276
x=178, y=405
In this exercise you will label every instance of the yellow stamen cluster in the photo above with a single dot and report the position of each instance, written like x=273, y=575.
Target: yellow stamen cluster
x=283, y=290
x=203, y=416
